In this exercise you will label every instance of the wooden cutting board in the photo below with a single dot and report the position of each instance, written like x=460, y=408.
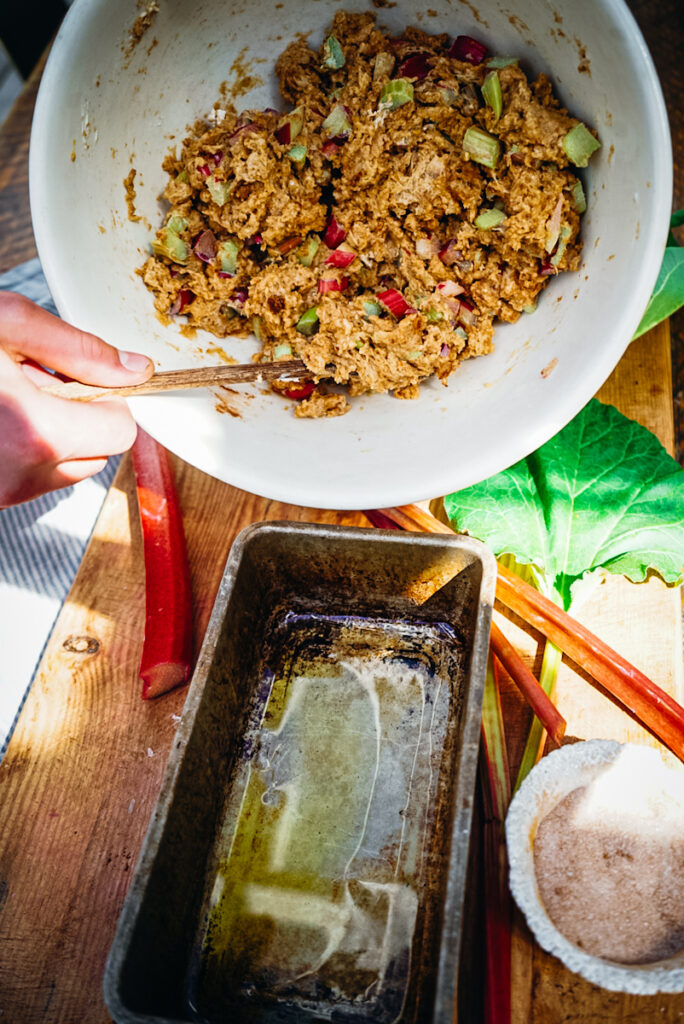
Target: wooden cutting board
x=85, y=764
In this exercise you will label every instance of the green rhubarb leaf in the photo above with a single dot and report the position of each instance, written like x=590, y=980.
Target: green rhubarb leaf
x=668, y=294
x=602, y=495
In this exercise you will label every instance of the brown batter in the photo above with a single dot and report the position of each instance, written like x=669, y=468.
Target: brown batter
x=367, y=207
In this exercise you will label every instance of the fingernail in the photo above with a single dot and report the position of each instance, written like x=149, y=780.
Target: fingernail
x=134, y=361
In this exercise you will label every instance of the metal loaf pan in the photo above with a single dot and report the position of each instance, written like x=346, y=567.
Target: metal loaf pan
x=306, y=860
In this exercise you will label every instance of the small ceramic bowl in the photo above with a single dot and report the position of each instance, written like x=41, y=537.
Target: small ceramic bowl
x=552, y=779
x=123, y=82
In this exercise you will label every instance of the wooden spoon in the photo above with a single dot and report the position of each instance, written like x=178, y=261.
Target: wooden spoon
x=178, y=380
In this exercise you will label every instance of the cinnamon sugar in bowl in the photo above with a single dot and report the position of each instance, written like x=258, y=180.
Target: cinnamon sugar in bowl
x=595, y=841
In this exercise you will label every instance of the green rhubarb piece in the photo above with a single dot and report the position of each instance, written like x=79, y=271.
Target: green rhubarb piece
x=308, y=249
x=434, y=316
x=489, y=219
x=358, y=344
x=565, y=233
x=396, y=93
x=530, y=308
x=176, y=224
x=333, y=56
x=501, y=62
x=297, y=155
x=384, y=64
x=169, y=243
x=481, y=147
x=337, y=122
x=414, y=354
x=219, y=190
x=308, y=322
x=258, y=328
x=228, y=252
x=578, y=197
x=461, y=333
x=295, y=119
x=491, y=91
x=182, y=176
x=282, y=351
x=371, y=308
x=579, y=144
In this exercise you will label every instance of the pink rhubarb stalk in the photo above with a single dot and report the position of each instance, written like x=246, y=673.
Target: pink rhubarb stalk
x=166, y=658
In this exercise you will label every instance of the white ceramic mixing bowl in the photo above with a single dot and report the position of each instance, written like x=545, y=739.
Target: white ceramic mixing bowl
x=106, y=106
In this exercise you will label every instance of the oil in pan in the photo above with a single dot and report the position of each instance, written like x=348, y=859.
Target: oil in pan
x=332, y=830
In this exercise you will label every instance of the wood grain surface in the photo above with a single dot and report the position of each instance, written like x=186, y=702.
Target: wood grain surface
x=86, y=761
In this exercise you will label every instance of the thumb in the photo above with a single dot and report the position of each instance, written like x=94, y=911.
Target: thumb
x=27, y=330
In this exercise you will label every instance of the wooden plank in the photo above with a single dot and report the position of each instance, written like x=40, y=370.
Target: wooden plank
x=85, y=764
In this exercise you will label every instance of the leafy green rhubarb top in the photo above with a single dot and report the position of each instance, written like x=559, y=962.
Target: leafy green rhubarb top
x=603, y=494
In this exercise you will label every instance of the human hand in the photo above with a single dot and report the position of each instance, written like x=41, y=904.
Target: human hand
x=47, y=442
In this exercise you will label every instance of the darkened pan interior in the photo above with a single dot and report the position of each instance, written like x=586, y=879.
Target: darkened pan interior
x=332, y=571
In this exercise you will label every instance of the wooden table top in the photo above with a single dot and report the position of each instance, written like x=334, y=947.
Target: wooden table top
x=85, y=763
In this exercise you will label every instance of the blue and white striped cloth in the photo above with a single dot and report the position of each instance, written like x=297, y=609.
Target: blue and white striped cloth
x=41, y=546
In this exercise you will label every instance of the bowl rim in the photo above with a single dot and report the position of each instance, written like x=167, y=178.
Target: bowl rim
x=334, y=490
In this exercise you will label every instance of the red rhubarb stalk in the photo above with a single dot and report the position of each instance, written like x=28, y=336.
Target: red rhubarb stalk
x=496, y=796
x=622, y=682
x=167, y=648
x=525, y=680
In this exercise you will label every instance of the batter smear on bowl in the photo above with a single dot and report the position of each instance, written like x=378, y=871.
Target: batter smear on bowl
x=418, y=189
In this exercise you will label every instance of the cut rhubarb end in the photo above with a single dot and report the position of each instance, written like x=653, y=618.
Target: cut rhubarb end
x=168, y=641
x=159, y=679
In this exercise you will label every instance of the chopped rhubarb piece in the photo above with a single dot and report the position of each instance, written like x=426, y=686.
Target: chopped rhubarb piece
x=332, y=284
x=579, y=144
x=481, y=147
x=289, y=126
x=415, y=66
x=205, y=246
x=395, y=302
x=489, y=219
x=396, y=93
x=219, y=190
x=491, y=91
x=308, y=250
x=340, y=258
x=167, y=647
x=301, y=391
x=334, y=233
x=308, y=322
x=184, y=298
x=297, y=155
x=205, y=170
x=427, y=247
x=579, y=199
x=450, y=254
x=449, y=288
x=337, y=124
x=333, y=57
x=468, y=49
x=466, y=313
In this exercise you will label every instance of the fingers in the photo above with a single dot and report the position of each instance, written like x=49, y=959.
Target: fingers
x=26, y=330
x=46, y=478
x=48, y=442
